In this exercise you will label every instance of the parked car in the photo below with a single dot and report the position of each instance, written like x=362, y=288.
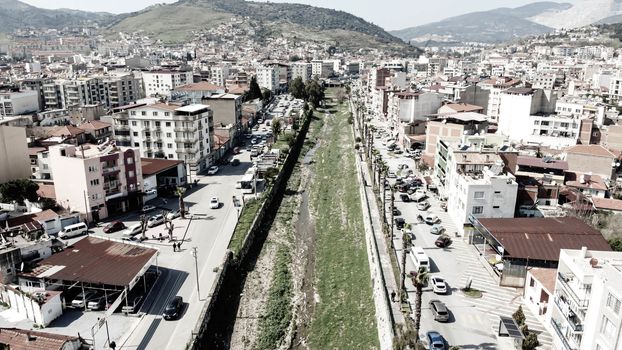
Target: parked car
x=396, y=212
x=400, y=223
x=81, y=299
x=391, y=175
x=173, y=308
x=155, y=220
x=73, y=230
x=443, y=241
x=133, y=230
x=212, y=170
x=439, y=286
x=432, y=219
x=133, y=305
x=148, y=208
x=398, y=151
x=254, y=141
x=173, y=214
x=437, y=229
x=214, y=203
x=439, y=310
x=405, y=198
x=435, y=341
x=423, y=206
x=114, y=227
x=97, y=304
x=248, y=136
x=235, y=162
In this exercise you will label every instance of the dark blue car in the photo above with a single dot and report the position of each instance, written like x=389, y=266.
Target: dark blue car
x=435, y=341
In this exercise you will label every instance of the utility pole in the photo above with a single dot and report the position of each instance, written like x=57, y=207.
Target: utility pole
x=196, y=267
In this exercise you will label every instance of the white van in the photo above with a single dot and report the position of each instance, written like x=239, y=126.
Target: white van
x=73, y=230
x=419, y=258
x=133, y=230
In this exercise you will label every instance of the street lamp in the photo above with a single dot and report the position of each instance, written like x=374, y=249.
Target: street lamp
x=196, y=267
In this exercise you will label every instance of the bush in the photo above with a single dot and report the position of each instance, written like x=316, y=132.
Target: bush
x=616, y=244
x=531, y=342
x=358, y=139
x=519, y=316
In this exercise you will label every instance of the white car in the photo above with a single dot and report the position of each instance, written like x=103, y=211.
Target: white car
x=212, y=170
x=214, y=203
x=173, y=214
x=438, y=285
x=391, y=174
x=155, y=220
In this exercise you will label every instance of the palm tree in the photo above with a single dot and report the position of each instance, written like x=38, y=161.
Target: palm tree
x=420, y=281
x=179, y=192
x=406, y=243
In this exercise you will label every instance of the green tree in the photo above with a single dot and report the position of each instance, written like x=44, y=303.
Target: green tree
x=519, y=316
x=315, y=92
x=616, y=244
x=297, y=88
x=179, y=192
x=420, y=281
x=266, y=95
x=253, y=89
x=531, y=341
x=18, y=191
x=276, y=128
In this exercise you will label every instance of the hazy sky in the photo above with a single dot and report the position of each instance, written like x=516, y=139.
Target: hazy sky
x=394, y=14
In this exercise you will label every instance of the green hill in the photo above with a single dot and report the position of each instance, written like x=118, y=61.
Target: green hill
x=175, y=22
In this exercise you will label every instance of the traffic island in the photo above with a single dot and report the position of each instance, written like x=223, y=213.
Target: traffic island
x=472, y=293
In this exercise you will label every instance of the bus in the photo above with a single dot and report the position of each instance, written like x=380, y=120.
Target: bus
x=419, y=258
x=247, y=183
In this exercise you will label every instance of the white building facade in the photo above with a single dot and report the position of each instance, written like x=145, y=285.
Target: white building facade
x=161, y=83
x=268, y=78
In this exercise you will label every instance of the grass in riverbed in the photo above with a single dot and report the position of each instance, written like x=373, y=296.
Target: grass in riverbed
x=345, y=314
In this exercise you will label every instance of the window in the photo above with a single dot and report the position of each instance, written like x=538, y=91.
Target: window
x=135, y=133
x=536, y=122
x=130, y=160
x=478, y=195
x=134, y=123
x=607, y=327
x=495, y=207
x=168, y=134
x=497, y=192
x=130, y=173
x=143, y=113
x=532, y=282
x=167, y=123
x=545, y=123
x=133, y=113
x=157, y=124
x=166, y=114
x=564, y=125
x=146, y=124
x=95, y=182
x=477, y=210
x=613, y=303
x=169, y=145
x=155, y=114
x=136, y=144
x=92, y=168
x=170, y=156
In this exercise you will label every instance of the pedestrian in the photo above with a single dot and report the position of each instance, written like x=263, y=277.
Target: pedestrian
x=174, y=246
x=179, y=246
x=393, y=296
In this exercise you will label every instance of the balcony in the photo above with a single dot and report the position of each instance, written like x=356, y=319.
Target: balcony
x=570, y=285
x=186, y=128
x=568, y=344
x=573, y=319
x=110, y=169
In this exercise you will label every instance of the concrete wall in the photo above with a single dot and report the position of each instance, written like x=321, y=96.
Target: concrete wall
x=14, y=161
x=26, y=307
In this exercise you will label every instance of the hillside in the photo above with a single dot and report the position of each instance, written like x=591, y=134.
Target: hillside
x=584, y=12
x=18, y=15
x=172, y=23
x=497, y=25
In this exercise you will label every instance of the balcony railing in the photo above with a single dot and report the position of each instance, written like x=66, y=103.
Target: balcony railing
x=565, y=281
x=560, y=334
x=573, y=319
x=110, y=169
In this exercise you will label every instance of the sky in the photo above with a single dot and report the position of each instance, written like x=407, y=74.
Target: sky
x=395, y=14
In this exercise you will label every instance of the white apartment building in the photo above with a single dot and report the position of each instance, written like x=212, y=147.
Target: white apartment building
x=581, y=108
x=301, y=70
x=168, y=131
x=406, y=107
x=113, y=90
x=321, y=69
x=219, y=74
x=527, y=116
x=587, y=307
x=14, y=161
x=162, y=82
x=18, y=102
x=97, y=180
x=268, y=77
x=495, y=86
x=474, y=181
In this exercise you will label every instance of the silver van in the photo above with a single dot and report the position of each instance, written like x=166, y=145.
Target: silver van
x=133, y=230
x=73, y=230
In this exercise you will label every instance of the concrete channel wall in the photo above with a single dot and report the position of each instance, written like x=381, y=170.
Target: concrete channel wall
x=232, y=264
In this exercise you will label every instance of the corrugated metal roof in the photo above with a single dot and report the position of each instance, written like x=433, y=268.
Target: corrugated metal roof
x=96, y=260
x=543, y=238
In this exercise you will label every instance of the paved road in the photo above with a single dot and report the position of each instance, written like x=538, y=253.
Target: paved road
x=473, y=321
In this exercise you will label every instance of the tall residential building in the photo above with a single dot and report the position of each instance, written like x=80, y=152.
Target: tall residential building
x=162, y=82
x=14, y=161
x=97, y=180
x=18, y=102
x=322, y=69
x=227, y=109
x=168, y=131
x=268, y=77
x=301, y=70
x=587, y=307
x=219, y=74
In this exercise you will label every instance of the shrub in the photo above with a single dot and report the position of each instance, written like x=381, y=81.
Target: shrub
x=519, y=316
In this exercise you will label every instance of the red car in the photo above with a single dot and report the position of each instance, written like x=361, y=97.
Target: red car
x=114, y=227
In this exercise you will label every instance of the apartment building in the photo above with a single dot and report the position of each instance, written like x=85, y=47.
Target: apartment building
x=302, y=70
x=14, y=162
x=14, y=103
x=322, y=69
x=569, y=106
x=219, y=74
x=97, y=181
x=168, y=131
x=195, y=92
x=227, y=109
x=495, y=86
x=528, y=116
x=586, y=310
x=120, y=89
x=377, y=77
x=268, y=78
x=162, y=82
x=453, y=127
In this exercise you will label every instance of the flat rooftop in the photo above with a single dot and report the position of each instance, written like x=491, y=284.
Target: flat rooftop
x=96, y=260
